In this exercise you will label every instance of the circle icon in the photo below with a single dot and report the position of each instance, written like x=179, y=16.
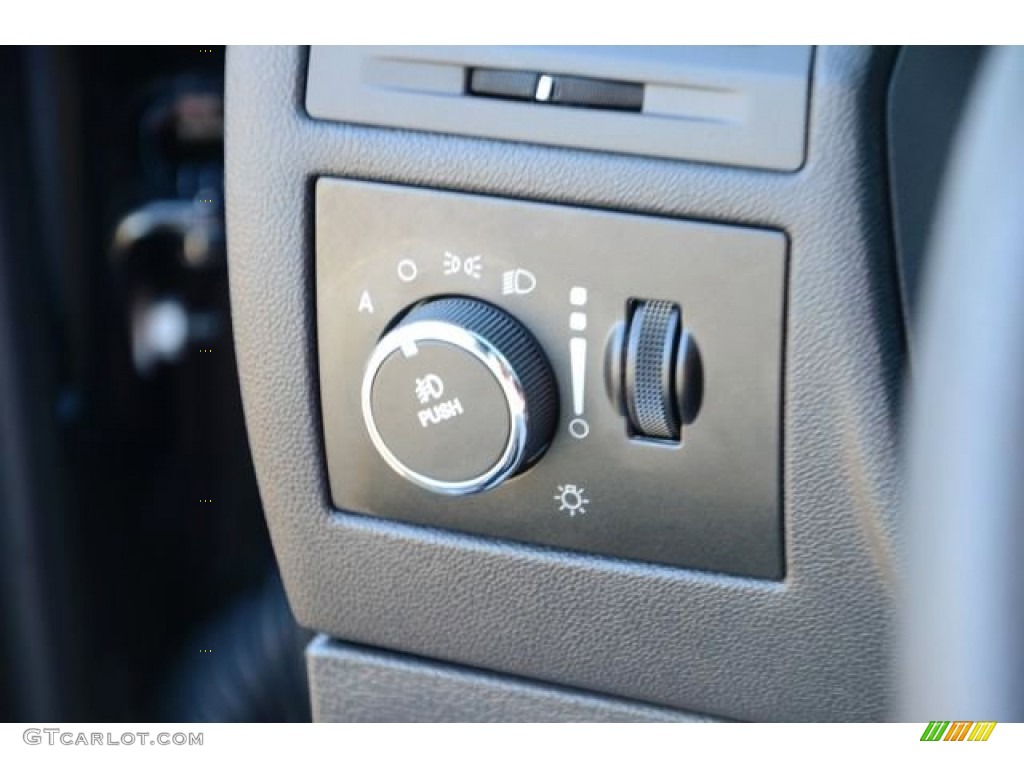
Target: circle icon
x=407, y=270
x=579, y=428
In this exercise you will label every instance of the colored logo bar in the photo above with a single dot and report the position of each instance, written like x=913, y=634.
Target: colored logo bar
x=959, y=730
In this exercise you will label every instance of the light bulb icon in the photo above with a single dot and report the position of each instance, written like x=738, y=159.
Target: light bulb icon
x=571, y=499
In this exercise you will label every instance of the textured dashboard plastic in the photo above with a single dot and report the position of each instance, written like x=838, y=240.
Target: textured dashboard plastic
x=350, y=684
x=814, y=647
x=734, y=105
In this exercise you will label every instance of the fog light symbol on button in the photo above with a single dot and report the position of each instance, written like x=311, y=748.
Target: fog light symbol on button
x=571, y=499
x=430, y=387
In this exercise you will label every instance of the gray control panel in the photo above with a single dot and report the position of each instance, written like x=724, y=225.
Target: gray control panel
x=594, y=381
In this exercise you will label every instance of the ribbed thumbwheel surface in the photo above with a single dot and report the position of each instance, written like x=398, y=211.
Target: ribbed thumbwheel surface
x=459, y=396
x=650, y=354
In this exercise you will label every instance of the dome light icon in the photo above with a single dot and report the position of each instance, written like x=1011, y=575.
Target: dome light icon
x=571, y=499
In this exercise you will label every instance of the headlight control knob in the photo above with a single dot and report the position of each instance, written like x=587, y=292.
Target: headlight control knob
x=459, y=396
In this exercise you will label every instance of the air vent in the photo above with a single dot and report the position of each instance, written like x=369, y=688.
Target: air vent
x=556, y=90
x=731, y=105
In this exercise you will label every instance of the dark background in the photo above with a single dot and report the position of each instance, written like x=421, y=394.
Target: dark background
x=138, y=581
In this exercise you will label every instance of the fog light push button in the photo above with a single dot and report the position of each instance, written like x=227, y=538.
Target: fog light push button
x=458, y=397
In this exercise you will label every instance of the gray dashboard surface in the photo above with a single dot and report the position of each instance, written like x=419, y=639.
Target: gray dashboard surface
x=813, y=647
x=734, y=105
x=350, y=684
